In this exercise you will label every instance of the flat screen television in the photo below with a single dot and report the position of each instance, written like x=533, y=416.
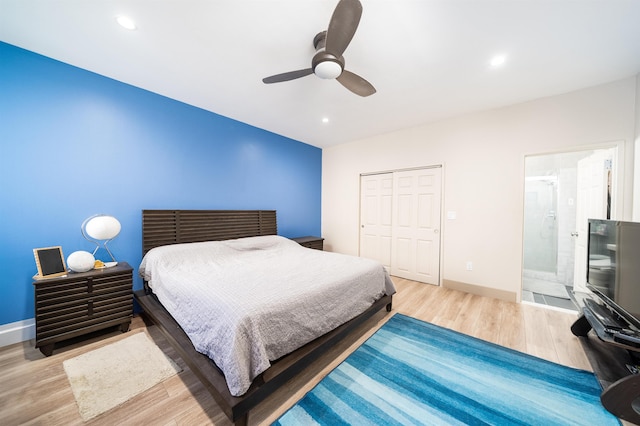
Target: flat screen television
x=613, y=266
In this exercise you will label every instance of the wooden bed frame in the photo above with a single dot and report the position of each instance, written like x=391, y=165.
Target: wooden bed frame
x=162, y=227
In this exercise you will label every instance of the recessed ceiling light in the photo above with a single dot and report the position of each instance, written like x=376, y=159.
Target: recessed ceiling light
x=325, y=120
x=498, y=61
x=126, y=22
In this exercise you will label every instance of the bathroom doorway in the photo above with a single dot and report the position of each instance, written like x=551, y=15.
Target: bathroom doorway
x=560, y=191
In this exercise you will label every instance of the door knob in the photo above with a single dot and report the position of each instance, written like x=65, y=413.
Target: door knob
x=574, y=234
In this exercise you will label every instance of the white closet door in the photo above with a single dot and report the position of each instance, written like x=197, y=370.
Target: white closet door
x=376, y=199
x=415, y=232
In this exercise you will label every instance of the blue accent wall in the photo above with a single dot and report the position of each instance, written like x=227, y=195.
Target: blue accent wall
x=74, y=143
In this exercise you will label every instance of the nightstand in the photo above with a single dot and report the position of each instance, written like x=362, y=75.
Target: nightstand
x=81, y=303
x=310, y=242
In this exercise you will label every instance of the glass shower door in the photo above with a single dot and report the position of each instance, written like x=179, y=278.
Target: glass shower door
x=541, y=224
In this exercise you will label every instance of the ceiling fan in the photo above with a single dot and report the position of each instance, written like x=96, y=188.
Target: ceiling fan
x=328, y=62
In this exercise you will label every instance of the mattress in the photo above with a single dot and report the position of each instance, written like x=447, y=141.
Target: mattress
x=250, y=301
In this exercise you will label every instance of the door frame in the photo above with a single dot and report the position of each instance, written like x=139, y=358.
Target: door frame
x=619, y=193
x=442, y=186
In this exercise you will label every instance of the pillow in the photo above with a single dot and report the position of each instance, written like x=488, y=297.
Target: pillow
x=255, y=243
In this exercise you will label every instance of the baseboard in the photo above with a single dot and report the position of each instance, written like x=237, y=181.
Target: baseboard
x=17, y=332
x=509, y=296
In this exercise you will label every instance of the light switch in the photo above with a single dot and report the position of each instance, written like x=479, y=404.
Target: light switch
x=451, y=215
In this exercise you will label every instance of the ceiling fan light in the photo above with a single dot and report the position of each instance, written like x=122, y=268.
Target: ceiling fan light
x=328, y=69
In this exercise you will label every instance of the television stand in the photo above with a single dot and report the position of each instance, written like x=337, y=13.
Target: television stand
x=610, y=359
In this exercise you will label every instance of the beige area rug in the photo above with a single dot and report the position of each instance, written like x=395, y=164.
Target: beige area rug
x=105, y=378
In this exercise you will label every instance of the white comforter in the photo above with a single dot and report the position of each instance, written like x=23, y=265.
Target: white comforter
x=249, y=301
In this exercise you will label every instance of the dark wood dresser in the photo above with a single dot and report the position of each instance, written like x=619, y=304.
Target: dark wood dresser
x=80, y=303
x=310, y=242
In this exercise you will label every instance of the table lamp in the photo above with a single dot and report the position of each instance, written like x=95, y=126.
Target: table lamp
x=100, y=229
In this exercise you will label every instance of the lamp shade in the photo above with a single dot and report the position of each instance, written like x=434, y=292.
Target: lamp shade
x=102, y=227
x=80, y=261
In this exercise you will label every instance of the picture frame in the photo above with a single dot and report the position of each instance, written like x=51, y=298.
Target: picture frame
x=50, y=262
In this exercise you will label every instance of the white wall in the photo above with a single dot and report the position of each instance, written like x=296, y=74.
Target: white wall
x=483, y=158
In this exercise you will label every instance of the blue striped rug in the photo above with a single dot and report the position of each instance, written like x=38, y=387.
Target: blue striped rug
x=413, y=373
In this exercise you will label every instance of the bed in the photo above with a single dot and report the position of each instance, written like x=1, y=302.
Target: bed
x=173, y=239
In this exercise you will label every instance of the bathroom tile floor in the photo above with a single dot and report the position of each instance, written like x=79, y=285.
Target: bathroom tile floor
x=546, y=292
x=558, y=302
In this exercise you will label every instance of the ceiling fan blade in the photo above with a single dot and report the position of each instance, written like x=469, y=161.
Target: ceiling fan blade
x=343, y=25
x=291, y=75
x=356, y=84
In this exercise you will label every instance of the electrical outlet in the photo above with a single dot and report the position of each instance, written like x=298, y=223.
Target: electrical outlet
x=469, y=266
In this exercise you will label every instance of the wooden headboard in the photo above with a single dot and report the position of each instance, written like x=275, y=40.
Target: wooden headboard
x=163, y=227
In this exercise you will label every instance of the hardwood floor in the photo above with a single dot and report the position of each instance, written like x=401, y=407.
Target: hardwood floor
x=34, y=389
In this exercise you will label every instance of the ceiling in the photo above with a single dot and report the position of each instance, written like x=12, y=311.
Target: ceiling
x=428, y=59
